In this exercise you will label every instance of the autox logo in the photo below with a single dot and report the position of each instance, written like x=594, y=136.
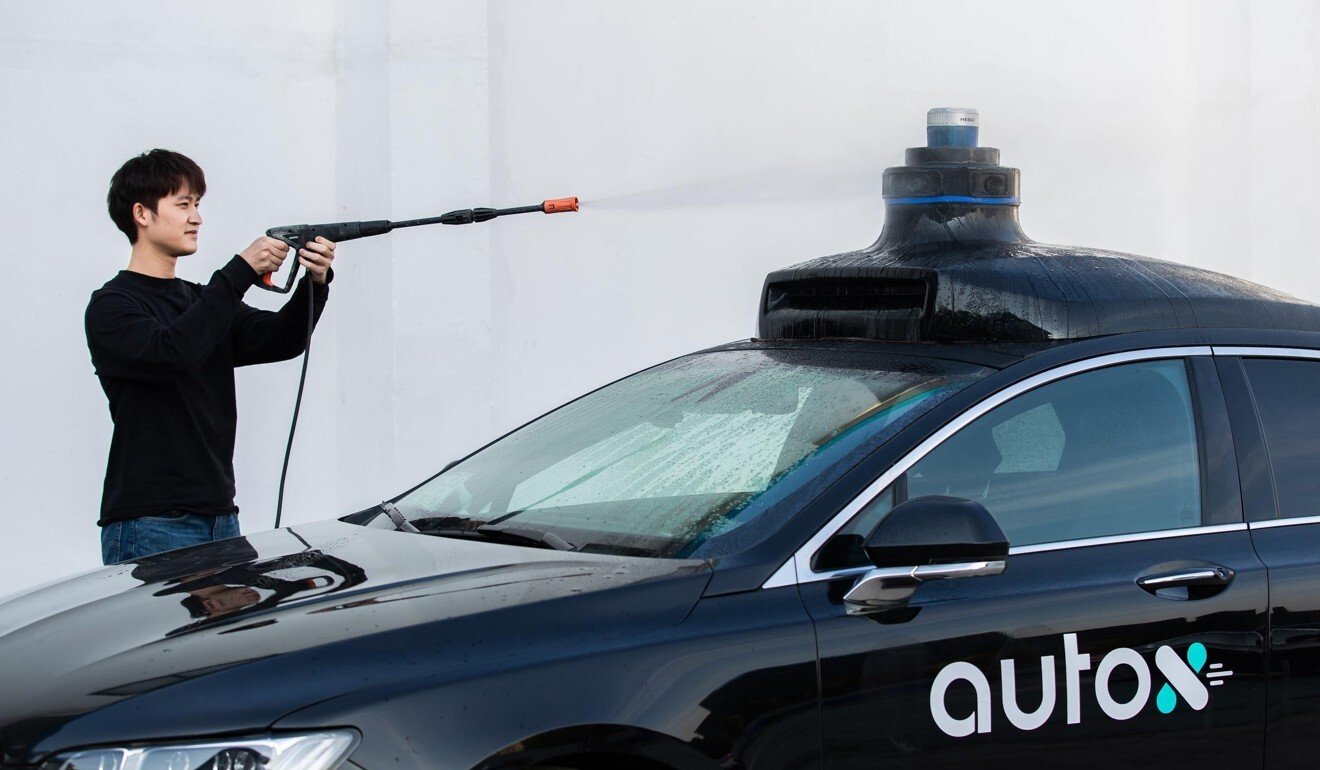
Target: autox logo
x=1181, y=672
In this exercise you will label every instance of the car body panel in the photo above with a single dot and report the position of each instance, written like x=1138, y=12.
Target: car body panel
x=342, y=606
x=878, y=673
x=734, y=685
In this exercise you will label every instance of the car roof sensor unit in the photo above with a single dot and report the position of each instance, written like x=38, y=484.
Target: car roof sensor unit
x=953, y=265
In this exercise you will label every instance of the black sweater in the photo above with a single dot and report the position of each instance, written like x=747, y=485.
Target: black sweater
x=165, y=351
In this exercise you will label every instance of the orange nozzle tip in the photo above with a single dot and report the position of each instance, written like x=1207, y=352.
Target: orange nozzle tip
x=560, y=204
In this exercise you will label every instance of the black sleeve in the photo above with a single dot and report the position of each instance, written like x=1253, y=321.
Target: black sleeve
x=262, y=337
x=129, y=343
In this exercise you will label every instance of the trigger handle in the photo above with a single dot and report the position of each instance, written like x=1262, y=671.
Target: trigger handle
x=292, y=236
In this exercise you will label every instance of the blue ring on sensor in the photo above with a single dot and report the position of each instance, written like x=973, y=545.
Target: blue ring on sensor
x=1014, y=201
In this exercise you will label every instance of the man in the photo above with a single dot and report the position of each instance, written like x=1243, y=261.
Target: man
x=165, y=351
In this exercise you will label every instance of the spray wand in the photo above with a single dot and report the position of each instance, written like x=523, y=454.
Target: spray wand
x=298, y=236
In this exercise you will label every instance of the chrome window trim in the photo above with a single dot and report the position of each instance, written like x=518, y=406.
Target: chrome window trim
x=786, y=575
x=798, y=567
x=1059, y=545
x=1295, y=521
x=1134, y=537
x=1265, y=352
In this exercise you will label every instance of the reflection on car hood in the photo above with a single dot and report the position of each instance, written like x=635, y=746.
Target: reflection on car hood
x=159, y=639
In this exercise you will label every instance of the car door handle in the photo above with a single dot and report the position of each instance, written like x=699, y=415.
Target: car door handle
x=1206, y=580
x=1294, y=638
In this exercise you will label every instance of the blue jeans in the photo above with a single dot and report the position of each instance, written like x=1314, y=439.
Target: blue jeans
x=147, y=535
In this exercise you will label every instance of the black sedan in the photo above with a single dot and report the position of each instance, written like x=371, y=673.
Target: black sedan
x=966, y=501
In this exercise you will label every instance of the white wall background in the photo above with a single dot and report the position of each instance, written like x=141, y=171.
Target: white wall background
x=710, y=142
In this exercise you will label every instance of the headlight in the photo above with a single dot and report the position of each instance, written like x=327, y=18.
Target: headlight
x=313, y=751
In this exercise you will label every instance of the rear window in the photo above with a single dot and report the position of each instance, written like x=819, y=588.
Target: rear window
x=1287, y=393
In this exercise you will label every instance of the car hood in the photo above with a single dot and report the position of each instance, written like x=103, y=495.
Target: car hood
x=229, y=636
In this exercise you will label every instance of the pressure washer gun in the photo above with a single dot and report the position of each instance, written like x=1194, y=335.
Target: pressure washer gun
x=298, y=236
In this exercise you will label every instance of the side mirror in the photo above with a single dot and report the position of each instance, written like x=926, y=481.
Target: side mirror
x=927, y=538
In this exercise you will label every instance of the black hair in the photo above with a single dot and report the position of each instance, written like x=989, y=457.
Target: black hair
x=146, y=179
x=194, y=605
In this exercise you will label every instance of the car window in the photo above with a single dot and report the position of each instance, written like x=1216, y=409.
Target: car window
x=1285, y=392
x=1107, y=452
x=669, y=459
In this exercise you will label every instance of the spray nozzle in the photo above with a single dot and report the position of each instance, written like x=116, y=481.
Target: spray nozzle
x=560, y=205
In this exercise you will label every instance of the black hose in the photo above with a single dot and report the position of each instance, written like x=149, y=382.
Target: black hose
x=297, y=402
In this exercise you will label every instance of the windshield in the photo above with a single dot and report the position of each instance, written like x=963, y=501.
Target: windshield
x=668, y=460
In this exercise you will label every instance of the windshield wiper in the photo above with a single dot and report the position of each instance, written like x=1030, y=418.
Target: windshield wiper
x=443, y=527
x=525, y=536
x=510, y=535
x=401, y=523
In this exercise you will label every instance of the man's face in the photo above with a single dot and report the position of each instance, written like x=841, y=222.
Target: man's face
x=172, y=228
x=224, y=600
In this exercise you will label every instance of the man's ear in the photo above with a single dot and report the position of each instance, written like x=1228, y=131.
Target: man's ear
x=142, y=215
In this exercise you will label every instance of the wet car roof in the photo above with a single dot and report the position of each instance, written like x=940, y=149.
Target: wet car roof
x=1012, y=291
x=994, y=355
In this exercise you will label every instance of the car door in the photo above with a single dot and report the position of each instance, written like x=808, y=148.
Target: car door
x=1126, y=629
x=1274, y=396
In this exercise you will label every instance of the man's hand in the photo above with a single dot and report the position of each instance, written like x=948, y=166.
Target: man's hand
x=316, y=256
x=266, y=254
